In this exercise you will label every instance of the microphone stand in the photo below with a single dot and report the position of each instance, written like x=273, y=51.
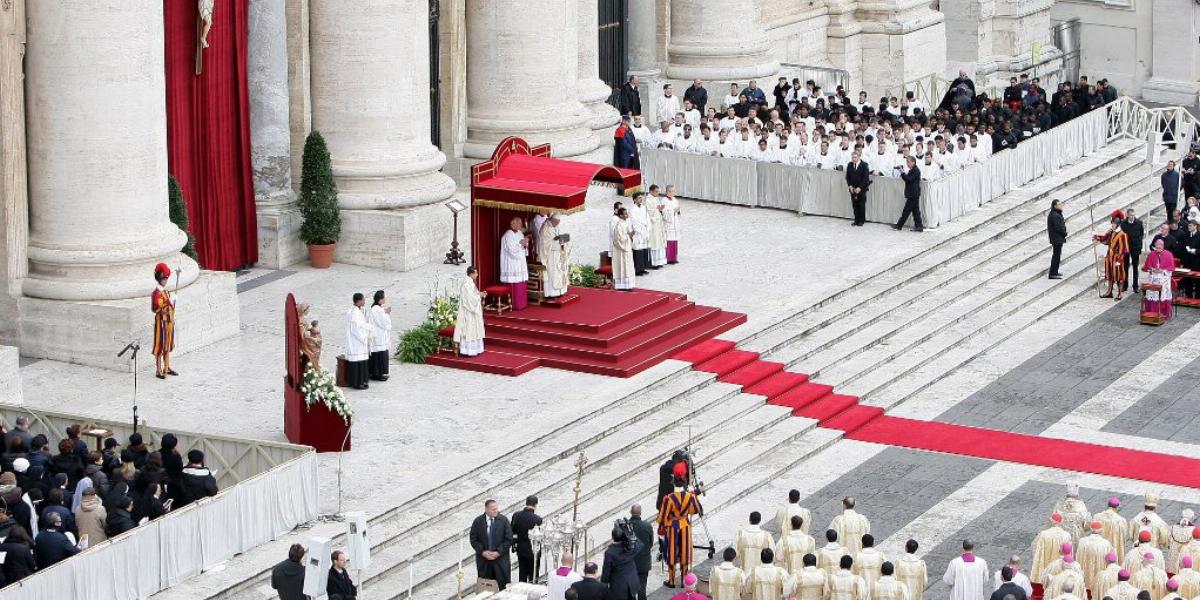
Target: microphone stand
x=133, y=347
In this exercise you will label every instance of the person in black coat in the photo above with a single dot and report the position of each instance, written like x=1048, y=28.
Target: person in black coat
x=287, y=577
x=590, y=588
x=523, y=521
x=1170, y=187
x=119, y=520
x=17, y=549
x=491, y=538
x=339, y=586
x=629, y=101
x=1056, y=228
x=620, y=572
x=52, y=545
x=172, y=463
x=1136, y=231
x=858, y=180
x=645, y=535
x=912, y=196
x=666, y=477
x=1008, y=587
x=196, y=481
x=697, y=94
x=1190, y=174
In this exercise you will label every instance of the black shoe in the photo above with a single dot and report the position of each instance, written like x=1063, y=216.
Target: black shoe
x=918, y=229
x=160, y=376
x=897, y=227
x=1056, y=276
x=641, y=273
x=171, y=372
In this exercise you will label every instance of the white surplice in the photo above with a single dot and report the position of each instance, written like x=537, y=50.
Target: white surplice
x=622, y=258
x=381, y=328
x=967, y=580
x=358, y=335
x=512, y=258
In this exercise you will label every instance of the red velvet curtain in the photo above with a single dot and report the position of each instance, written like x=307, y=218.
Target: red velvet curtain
x=208, y=131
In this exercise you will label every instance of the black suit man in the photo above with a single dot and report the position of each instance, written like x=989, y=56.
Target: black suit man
x=1136, y=231
x=645, y=534
x=858, y=179
x=590, y=587
x=1056, y=229
x=491, y=538
x=912, y=196
x=522, y=522
x=629, y=102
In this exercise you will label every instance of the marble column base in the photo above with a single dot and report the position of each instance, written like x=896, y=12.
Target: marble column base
x=93, y=332
x=1169, y=91
x=10, y=376
x=279, y=242
x=399, y=239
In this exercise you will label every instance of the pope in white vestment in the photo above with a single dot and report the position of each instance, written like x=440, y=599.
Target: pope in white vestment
x=513, y=268
x=622, y=258
x=555, y=257
x=358, y=349
x=967, y=577
x=468, y=325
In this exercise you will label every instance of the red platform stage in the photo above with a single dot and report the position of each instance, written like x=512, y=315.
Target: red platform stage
x=604, y=332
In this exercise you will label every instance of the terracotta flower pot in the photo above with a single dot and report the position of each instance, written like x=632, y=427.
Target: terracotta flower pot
x=320, y=256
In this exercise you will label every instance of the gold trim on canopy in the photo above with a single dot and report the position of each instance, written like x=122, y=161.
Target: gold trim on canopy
x=528, y=207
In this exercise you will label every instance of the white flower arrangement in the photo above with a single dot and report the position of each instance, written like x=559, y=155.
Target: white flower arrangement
x=319, y=386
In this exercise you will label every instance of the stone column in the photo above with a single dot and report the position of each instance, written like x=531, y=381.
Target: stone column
x=902, y=40
x=593, y=92
x=1176, y=64
x=718, y=40
x=97, y=155
x=370, y=100
x=270, y=134
x=521, y=80
x=642, y=39
x=14, y=204
x=969, y=35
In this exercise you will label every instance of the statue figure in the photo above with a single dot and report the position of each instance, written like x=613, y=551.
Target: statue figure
x=310, y=338
x=206, y=15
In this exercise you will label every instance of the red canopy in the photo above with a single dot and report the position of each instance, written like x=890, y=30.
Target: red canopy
x=520, y=181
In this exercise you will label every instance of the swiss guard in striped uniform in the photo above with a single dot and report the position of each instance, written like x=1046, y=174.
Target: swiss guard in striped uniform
x=1114, y=262
x=164, y=322
x=675, y=527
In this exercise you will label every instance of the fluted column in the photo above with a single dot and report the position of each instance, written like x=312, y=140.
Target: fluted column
x=521, y=79
x=370, y=100
x=97, y=150
x=593, y=92
x=1176, y=69
x=642, y=38
x=270, y=134
x=718, y=40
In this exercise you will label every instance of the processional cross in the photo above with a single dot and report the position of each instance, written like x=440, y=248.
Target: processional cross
x=580, y=463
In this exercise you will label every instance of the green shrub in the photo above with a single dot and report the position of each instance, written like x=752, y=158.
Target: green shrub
x=585, y=276
x=178, y=209
x=318, y=194
x=417, y=343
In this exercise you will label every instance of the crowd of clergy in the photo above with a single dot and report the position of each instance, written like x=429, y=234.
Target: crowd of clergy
x=1078, y=555
x=806, y=127
x=643, y=236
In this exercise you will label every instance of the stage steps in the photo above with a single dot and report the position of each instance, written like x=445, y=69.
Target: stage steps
x=764, y=443
x=605, y=332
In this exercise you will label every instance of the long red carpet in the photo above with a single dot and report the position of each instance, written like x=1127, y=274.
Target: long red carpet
x=870, y=424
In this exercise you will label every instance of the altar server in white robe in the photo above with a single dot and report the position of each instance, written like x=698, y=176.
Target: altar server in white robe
x=639, y=220
x=622, y=258
x=358, y=350
x=514, y=271
x=658, y=229
x=672, y=216
x=468, y=325
x=668, y=104
x=380, y=318
x=967, y=575
x=555, y=256
x=641, y=133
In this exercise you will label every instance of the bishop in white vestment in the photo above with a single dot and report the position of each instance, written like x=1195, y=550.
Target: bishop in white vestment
x=468, y=325
x=358, y=337
x=514, y=271
x=555, y=257
x=622, y=258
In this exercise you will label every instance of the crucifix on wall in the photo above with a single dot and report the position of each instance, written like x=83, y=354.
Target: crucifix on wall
x=203, y=26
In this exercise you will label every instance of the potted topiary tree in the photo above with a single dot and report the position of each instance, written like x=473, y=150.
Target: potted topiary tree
x=318, y=203
x=177, y=207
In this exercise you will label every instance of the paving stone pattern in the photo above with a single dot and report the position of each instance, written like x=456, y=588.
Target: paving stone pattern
x=1054, y=382
x=1170, y=411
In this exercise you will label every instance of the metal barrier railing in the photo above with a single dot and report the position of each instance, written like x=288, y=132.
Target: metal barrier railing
x=233, y=459
x=828, y=78
x=1129, y=118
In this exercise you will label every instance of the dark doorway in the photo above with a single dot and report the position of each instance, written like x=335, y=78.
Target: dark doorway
x=435, y=98
x=613, y=63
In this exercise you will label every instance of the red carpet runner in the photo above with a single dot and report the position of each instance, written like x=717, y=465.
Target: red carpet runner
x=869, y=424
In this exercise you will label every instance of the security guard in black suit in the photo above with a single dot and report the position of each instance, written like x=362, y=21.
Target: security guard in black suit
x=523, y=521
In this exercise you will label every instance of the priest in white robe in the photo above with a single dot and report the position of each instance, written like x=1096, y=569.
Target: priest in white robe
x=639, y=220
x=358, y=350
x=750, y=541
x=793, y=545
x=850, y=527
x=380, y=318
x=468, y=324
x=784, y=516
x=514, y=271
x=622, y=258
x=555, y=256
x=967, y=576
x=671, y=219
x=658, y=229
